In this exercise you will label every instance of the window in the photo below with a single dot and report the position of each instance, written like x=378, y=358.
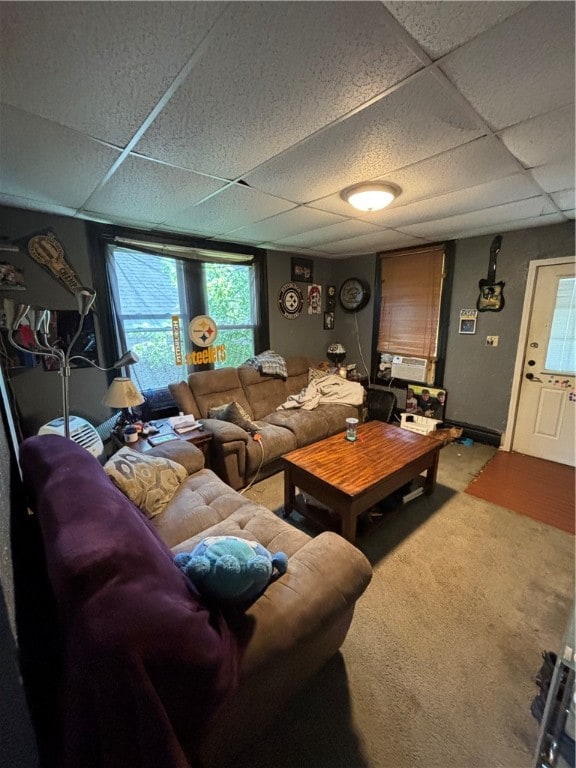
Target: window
x=232, y=304
x=412, y=283
x=152, y=291
x=149, y=291
x=561, y=352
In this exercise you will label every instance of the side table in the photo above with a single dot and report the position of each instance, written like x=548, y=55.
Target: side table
x=200, y=438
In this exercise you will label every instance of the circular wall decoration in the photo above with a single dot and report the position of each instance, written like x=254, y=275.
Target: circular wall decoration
x=354, y=294
x=202, y=330
x=290, y=300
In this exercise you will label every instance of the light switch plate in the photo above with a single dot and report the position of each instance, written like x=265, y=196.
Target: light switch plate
x=492, y=341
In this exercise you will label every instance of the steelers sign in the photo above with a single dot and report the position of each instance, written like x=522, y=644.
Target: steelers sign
x=290, y=300
x=203, y=330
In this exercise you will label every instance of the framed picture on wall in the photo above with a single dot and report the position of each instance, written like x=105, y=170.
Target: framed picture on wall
x=330, y=297
x=467, y=321
x=301, y=270
x=328, y=321
x=424, y=400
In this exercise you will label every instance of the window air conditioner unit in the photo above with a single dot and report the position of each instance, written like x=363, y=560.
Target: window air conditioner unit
x=409, y=368
x=81, y=431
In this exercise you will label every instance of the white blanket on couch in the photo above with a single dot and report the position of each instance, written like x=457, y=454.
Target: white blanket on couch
x=328, y=389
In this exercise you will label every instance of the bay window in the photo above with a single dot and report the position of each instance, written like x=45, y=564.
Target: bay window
x=150, y=290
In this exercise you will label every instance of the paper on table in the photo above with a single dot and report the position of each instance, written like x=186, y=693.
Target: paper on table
x=182, y=424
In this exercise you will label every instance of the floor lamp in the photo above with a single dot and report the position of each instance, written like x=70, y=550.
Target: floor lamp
x=39, y=320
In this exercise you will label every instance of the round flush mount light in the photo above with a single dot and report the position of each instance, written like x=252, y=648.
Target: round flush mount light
x=370, y=196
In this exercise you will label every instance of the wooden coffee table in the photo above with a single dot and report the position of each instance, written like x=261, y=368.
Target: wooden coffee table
x=349, y=478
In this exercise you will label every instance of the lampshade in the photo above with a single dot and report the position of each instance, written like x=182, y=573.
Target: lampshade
x=85, y=298
x=336, y=353
x=370, y=196
x=122, y=394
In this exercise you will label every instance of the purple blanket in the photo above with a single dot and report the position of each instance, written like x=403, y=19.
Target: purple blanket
x=146, y=663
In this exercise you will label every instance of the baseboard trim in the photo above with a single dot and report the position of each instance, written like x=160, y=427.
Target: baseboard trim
x=477, y=433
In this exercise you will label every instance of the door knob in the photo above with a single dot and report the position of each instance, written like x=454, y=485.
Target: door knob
x=531, y=377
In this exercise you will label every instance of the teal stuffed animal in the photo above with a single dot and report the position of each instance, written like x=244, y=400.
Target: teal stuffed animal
x=231, y=570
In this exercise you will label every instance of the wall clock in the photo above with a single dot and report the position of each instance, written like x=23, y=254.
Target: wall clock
x=354, y=294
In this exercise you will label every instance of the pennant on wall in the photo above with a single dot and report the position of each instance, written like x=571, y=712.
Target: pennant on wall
x=47, y=250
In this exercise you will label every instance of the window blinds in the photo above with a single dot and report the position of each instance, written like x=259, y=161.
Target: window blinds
x=410, y=301
x=184, y=251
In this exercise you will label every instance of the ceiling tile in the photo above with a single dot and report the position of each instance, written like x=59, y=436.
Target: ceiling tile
x=301, y=100
x=385, y=240
x=565, y=200
x=489, y=217
x=329, y=234
x=235, y=110
x=513, y=225
x=440, y=26
x=555, y=176
x=13, y=201
x=278, y=249
x=99, y=67
x=517, y=187
x=543, y=139
x=513, y=71
x=119, y=220
x=292, y=222
x=144, y=189
x=45, y=161
x=474, y=163
x=228, y=210
x=416, y=120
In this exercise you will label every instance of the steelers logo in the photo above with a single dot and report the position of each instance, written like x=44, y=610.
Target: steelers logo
x=202, y=330
x=290, y=300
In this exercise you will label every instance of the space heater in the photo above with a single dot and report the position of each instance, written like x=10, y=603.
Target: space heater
x=81, y=432
x=409, y=368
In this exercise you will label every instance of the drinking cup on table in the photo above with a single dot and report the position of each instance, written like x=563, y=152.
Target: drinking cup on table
x=130, y=434
x=351, y=429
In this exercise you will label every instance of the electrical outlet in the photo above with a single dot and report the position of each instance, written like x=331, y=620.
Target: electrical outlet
x=492, y=341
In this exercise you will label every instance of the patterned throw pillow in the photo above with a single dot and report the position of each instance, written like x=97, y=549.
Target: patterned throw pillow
x=316, y=373
x=235, y=414
x=149, y=481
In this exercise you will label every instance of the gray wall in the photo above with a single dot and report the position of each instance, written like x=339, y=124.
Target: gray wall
x=37, y=392
x=478, y=378
x=305, y=335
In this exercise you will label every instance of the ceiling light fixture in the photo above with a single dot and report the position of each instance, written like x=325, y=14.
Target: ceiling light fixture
x=370, y=196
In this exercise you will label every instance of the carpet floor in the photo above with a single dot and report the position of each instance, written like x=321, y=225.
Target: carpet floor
x=438, y=666
x=540, y=489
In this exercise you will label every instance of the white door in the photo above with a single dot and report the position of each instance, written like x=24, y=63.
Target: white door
x=545, y=424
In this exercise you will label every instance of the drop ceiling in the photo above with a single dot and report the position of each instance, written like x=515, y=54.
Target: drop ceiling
x=243, y=121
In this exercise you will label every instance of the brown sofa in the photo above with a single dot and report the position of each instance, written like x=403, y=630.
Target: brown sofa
x=235, y=456
x=153, y=676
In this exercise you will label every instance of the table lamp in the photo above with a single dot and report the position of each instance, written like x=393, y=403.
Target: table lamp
x=336, y=354
x=123, y=394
